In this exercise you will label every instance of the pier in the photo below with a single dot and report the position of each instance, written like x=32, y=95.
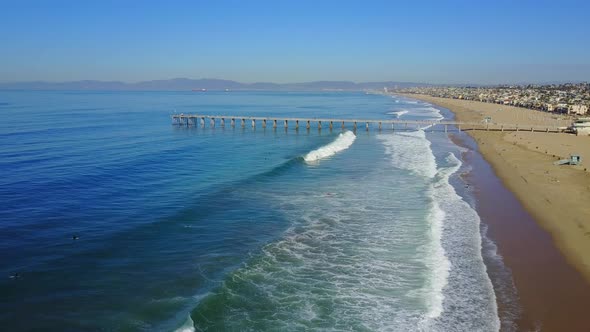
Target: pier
x=367, y=124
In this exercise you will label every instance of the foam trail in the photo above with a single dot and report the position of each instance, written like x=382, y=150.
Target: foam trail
x=343, y=142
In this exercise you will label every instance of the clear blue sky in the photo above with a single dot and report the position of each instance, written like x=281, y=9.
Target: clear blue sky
x=292, y=41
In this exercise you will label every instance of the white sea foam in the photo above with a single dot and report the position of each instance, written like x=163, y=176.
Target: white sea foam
x=410, y=151
x=438, y=262
x=428, y=111
x=342, y=142
x=458, y=277
x=468, y=291
x=188, y=326
x=345, y=264
x=420, y=109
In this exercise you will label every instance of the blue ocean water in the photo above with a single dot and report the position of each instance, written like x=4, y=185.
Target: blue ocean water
x=114, y=219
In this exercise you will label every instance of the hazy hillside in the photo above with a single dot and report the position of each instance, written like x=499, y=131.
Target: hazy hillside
x=185, y=84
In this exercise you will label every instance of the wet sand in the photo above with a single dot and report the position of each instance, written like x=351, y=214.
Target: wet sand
x=536, y=213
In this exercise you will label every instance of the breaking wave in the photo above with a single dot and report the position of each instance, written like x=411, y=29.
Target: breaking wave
x=453, y=254
x=469, y=301
x=410, y=151
x=398, y=114
x=343, y=142
x=188, y=326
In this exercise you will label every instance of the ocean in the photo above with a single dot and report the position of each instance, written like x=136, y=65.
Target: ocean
x=114, y=219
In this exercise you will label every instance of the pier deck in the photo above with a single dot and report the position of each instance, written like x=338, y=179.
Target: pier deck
x=319, y=123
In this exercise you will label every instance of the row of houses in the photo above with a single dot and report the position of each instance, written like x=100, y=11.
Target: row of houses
x=563, y=98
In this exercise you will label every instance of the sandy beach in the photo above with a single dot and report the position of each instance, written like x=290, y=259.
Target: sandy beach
x=552, y=284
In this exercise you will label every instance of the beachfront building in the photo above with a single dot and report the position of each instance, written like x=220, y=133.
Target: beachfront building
x=578, y=110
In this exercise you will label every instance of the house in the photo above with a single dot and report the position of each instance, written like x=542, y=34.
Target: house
x=578, y=109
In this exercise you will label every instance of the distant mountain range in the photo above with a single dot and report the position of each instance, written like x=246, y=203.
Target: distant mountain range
x=186, y=84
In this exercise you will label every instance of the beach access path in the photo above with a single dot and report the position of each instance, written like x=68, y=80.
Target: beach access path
x=558, y=197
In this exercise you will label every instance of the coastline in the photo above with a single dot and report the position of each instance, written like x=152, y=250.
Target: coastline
x=525, y=212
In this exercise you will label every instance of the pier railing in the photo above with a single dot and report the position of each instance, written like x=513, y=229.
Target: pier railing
x=393, y=124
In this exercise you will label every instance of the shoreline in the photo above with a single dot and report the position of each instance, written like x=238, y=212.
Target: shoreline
x=551, y=278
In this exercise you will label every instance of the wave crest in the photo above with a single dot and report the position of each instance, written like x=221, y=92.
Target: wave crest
x=398, y=114
x=343, y=142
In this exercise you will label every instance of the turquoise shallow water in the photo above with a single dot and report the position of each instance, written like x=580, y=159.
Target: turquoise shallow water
x=231, y=228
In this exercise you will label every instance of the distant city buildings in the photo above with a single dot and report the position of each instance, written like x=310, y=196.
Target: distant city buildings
x=560, y=98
